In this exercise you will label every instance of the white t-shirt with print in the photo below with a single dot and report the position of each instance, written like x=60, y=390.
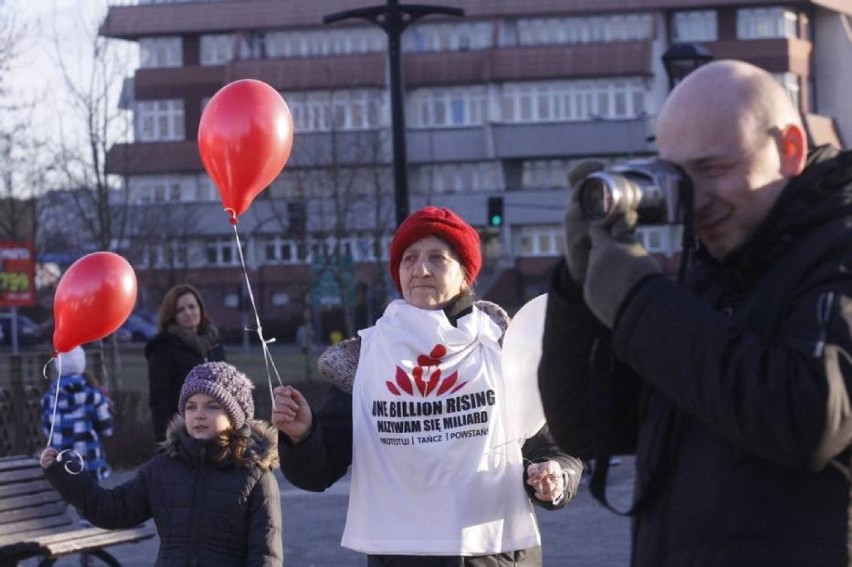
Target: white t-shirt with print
x=437, y=466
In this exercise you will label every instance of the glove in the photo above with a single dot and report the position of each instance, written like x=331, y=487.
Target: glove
x=575, y=225
x=616, y=263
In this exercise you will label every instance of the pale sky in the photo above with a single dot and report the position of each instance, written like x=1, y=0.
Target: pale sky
x=35, y=76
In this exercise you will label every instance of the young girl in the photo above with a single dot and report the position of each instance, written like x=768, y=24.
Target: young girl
x=211, y=491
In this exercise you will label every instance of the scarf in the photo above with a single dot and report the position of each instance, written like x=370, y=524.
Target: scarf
x=201, y=342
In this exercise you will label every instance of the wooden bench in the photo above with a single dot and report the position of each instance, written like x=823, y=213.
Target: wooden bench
x=36, y=522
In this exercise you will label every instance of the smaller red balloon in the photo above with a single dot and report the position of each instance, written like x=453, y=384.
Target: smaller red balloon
x=244, y=137
x=94, y=297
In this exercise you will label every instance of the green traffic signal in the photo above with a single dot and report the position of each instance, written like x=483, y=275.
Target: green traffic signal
x=495, y=211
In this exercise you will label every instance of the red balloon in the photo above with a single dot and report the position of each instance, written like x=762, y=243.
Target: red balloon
x=94, y=297
x=244, y=138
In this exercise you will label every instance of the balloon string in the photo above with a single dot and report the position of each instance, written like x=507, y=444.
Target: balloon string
x=267, y=355
x=81, y=464
x=58, y=360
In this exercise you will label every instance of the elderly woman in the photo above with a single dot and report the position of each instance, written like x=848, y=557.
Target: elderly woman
x=425, y=416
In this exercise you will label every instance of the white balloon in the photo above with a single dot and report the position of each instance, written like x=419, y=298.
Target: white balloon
x=521, y=355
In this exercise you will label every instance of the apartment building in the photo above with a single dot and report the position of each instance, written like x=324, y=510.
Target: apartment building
x=499, y=102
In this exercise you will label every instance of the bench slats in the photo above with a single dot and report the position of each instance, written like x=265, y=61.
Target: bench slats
x=91, y=538
x=16, y=462
x=34, y=500
x=22, y=522
x=27, y=529
x=20, y=488
x=34, y=520
x=20, y=476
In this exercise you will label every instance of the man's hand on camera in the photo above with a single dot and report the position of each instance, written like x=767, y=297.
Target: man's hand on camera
x=617, y=262
x=575, y=224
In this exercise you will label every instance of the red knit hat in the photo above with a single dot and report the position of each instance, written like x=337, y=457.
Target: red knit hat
x=446, y=225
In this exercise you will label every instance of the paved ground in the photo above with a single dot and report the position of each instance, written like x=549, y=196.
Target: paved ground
x=583, y=534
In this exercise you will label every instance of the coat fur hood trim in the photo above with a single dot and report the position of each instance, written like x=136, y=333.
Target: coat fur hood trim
x=339, y=362
x=262, y=448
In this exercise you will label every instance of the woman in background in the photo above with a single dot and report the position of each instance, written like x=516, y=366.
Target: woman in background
x=187, y=337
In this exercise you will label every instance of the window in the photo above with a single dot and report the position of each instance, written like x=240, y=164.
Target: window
x=205, y=190
x=790, y=82
x=157, y=52
x=660, y=239
x=278, y=250
x=540, y=241
x=253, y=45
x=424, y=37
x=538, y=174
x=171, y=255
x=312, y=43
x=222, y=252
x=279, y=298
x=158, y=188
x=566, y=31
x=763, y=23
x=456, y=177
x=318, y=111
x=366, y=248
x=573, y=100
x=159, y=120
x=508, y=33
x=446, y=107
x=217, y=49
x=695, y=25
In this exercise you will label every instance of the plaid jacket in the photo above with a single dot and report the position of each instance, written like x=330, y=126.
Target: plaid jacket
x=83, y=417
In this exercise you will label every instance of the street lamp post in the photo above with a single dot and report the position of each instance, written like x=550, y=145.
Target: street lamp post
x=681, y=59
x=393, y=18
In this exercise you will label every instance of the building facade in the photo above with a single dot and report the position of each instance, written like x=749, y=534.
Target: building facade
x=500, y=102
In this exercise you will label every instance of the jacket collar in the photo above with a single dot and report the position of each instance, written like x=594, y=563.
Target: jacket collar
x=262, y=450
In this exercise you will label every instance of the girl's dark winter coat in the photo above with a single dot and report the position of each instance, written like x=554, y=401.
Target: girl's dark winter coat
x=209, y=509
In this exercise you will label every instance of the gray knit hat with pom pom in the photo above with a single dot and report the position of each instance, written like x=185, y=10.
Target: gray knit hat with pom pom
x=223, y=382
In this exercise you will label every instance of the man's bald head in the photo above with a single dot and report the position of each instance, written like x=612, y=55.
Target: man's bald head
x=736, y=133
x=729, y=91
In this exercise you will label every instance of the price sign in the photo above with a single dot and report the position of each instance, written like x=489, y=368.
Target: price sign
x=17, y=274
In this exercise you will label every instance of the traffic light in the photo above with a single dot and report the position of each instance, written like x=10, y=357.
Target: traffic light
x=495, y=211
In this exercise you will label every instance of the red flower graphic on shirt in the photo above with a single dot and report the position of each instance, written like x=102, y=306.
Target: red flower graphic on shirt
x=418, y=381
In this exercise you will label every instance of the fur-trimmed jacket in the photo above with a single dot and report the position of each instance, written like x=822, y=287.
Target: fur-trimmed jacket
x=209, y=508
x=324, y=456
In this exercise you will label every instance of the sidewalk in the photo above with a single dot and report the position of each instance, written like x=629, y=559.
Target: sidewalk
x=583, y=534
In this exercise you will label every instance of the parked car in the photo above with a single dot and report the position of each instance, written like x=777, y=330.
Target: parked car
x=137, y=328
x=29, y=332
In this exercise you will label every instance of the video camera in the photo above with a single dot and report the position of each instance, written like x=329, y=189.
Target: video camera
x=654, y=188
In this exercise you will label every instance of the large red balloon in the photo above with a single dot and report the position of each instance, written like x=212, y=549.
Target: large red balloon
x=94, y=297
x=244, y=138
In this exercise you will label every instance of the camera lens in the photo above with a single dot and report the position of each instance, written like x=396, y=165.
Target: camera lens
x=595, y=198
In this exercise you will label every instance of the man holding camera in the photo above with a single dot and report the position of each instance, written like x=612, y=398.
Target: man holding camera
x=730, y=386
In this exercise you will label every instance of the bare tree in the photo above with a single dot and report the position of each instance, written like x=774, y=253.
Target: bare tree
x=88, y=122
x=17, y=145
x=89, y=125
x=346, y=195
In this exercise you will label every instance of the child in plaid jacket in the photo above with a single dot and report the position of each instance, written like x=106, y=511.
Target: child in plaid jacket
x=83, y=414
